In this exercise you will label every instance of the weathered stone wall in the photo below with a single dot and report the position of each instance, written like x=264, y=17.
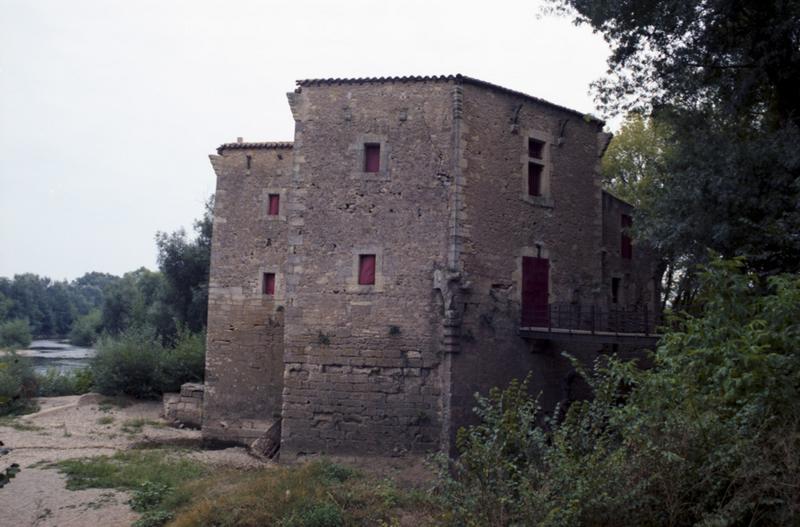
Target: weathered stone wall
x=638, y=276
x=362, y=362
x=244, y=357
x=394, y=366
x=502, y=223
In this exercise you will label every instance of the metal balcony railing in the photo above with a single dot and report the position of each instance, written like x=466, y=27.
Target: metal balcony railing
x=606, y=323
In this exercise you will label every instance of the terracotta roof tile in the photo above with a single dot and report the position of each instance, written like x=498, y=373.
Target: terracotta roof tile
x=264, y=145
x=444, y=78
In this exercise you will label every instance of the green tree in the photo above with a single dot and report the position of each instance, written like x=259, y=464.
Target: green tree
x=635, y=168
x=138, y=301
x=635, y=159
x=723, y=77
x=740, y=57
x=708, y=436
x=15, y=334
x=86, y=329
x=185, y=265
x=6, y=304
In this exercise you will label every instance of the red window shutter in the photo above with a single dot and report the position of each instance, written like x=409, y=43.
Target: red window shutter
x=274, y=204
x=626, y=249
x=372, y=157
x=366, y=269
x=535, y=291
x=268, y=284
x=535, y=179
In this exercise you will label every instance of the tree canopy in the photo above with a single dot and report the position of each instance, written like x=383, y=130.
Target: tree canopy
x=185, y=266
x=720, y=79
x=740, y=57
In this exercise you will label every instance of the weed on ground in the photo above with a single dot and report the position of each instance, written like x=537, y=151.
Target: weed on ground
x=19, y=424
x=168, y=489
x=135, y=426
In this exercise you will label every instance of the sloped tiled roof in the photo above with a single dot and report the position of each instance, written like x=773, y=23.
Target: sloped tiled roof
x=443, y=78
x=265, y=145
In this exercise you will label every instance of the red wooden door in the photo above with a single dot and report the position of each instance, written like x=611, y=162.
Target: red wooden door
x=535, y=291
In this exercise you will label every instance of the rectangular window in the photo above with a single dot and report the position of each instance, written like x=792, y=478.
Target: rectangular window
x=268, y=284
x=535, y=148
x=615, y=290
x=366, y=269
x=274, y=204
x=372, y=157
x=535, y=179
x=626, y=246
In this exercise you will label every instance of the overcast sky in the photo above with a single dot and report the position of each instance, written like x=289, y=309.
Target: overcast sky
x=109, y=108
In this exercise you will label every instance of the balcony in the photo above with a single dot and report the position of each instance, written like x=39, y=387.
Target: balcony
x=633, y=325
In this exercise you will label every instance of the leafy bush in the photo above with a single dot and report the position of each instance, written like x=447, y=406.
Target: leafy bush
x=131, y=364
x=15, y=334
x=86, y=329
x=17, y=384
x=54, y=383
x=136, y=363
x=186, y=361
x=708, y=436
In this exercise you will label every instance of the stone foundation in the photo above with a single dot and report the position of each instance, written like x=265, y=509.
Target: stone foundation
x=185, y=408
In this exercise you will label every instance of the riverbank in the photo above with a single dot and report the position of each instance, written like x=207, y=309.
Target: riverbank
x=86, y=426
x=117, y=453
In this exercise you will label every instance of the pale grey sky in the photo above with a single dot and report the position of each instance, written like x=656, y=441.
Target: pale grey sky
x=109, y=108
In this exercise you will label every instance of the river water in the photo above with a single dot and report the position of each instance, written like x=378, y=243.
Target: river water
x=57, y=354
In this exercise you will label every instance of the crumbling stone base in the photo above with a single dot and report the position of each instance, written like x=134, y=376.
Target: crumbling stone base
x=185, y=408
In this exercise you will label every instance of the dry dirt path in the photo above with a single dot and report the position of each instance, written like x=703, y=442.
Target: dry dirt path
x=81, y=426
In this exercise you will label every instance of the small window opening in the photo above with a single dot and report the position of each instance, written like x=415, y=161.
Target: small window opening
x=372, y=157
x=615, y=290
x=535, y=148
x=366, y=269
x=249, y=161
x=268, y=284
x=274, y=204
x=535, y=179
x=626, y=245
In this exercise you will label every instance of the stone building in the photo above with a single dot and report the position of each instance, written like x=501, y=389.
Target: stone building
x=421, y=239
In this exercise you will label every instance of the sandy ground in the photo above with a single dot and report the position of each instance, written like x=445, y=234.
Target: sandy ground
x=67, y=427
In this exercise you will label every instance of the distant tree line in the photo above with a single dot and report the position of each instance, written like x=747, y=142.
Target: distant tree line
x=164, y=302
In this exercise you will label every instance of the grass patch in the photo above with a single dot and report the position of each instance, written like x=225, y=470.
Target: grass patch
x=180, y=492
x=105, y=420
x=135, y=426
x=129, y=469
x=19, y=424
x=156, y=479
x=317, y=494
